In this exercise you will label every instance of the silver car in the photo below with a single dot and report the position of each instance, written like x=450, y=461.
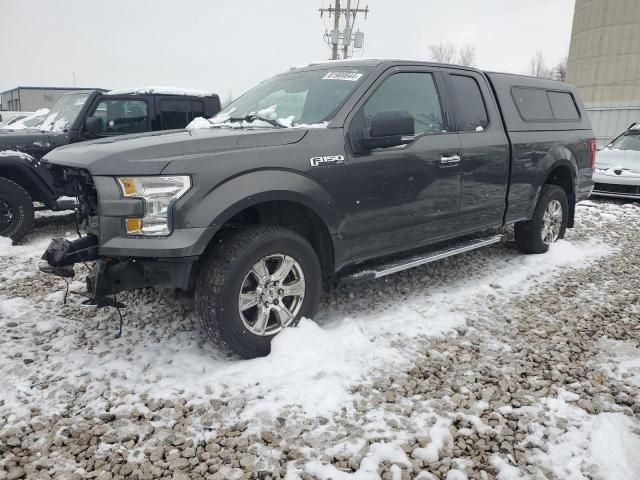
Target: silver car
x=617, y=172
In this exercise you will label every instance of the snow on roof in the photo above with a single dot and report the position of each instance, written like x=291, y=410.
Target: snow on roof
x=148, y=90
x=338, y=62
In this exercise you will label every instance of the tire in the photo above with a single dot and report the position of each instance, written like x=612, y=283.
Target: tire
x=16, y=210
x=530, y=234
x=234, y=267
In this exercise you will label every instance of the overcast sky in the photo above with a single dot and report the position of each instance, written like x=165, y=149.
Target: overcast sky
x=224, y=45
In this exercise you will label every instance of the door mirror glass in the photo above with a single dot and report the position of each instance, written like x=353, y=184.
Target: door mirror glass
x=93, y=126
x=394, y=123
x=388, y=129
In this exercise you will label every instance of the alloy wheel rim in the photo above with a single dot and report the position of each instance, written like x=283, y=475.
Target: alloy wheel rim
x=271, y=294
x=551, y=222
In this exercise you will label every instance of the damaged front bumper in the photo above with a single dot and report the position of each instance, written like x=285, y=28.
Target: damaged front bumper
x=111, y=275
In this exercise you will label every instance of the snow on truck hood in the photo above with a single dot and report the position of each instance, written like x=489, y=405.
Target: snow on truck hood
x=150, y=153
x=613, y=159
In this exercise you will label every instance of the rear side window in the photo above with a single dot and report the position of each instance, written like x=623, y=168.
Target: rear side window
x=469, y=108
x=197, y=109
x=533, y=104
x=563, y=106
x=175, y=113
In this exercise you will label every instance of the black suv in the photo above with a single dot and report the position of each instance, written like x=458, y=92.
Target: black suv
x=77, y=117
x=346, y=170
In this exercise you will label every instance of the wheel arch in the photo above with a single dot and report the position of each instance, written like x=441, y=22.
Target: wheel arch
x=563, y=172
x=271, y=197
x=16, y=170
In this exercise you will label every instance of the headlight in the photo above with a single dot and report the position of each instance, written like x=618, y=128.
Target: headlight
x=158, y=193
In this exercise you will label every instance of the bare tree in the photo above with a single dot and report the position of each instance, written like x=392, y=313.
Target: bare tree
x=560, y=70
x=467, y=55
x=228, y=98
x=443, y=52
x=538, y=66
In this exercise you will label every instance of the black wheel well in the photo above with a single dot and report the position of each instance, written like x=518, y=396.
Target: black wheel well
x=562, y=176
x=16, y=175
x=293, y=215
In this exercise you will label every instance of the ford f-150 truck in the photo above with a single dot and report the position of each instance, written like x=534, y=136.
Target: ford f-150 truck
x=344, y=170
x=77, y=117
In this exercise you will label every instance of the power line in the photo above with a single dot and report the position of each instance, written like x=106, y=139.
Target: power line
x=346, y=37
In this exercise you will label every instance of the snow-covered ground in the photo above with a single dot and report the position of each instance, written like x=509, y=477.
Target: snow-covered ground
x=488, y=365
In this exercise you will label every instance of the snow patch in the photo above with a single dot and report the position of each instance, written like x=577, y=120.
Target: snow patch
x=377, y=454
x=506, y=471
x=160, y=90
x=604, y=446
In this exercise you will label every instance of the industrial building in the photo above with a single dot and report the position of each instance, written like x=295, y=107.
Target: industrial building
x=604, y=63
x=30, y=99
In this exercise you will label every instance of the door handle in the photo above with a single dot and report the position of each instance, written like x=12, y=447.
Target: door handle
x=449, y=160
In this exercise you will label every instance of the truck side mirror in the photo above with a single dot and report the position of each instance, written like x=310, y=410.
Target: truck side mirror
x=388, y=129
x=93, y=126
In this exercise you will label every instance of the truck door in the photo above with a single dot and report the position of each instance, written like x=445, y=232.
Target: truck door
x=485, y=149
x=407, y=196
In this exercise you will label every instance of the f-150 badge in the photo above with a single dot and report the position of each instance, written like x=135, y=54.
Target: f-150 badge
x=326, y=160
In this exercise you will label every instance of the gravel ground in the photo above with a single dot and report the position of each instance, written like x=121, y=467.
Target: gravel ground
x=464, y=371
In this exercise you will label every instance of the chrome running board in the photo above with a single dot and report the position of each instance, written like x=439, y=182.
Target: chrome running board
x=384, y=269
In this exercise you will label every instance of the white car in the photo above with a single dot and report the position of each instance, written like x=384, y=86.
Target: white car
x=617, y=172
x=31, y=120
x=7, y=118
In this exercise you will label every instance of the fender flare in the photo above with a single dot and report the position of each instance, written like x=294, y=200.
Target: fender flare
x=558, y=157
x=561, y=157
x=20, y=171
x=249, y=189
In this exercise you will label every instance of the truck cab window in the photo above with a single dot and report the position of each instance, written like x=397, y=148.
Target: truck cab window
x=122, y=116
x=468, y=104
x=415, y=93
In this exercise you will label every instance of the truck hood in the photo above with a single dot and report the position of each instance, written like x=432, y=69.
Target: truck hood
x=150, y=153
x=618, y=159
x=32, y=142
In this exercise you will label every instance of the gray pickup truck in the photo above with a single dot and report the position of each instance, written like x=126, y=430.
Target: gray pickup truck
x=344, y=170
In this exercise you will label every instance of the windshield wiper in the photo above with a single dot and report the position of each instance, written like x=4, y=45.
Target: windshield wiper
x=253, y=117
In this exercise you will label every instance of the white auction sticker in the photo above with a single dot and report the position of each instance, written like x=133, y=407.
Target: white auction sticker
x=349, y=76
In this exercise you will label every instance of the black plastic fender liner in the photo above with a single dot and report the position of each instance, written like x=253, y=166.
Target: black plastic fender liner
x=62, y=252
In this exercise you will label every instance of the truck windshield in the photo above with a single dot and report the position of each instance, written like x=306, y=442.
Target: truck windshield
x=296, y=99
x=63, y=113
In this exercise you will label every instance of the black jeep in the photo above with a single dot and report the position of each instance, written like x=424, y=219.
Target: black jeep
x=77, y=117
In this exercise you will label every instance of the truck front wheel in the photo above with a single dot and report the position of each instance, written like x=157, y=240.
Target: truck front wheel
x=256, y=282
x=16, y=210
x=548, y=224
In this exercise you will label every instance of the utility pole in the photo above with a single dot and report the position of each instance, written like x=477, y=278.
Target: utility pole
x=336, y=30
x=347, y=32
x=333, y=38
